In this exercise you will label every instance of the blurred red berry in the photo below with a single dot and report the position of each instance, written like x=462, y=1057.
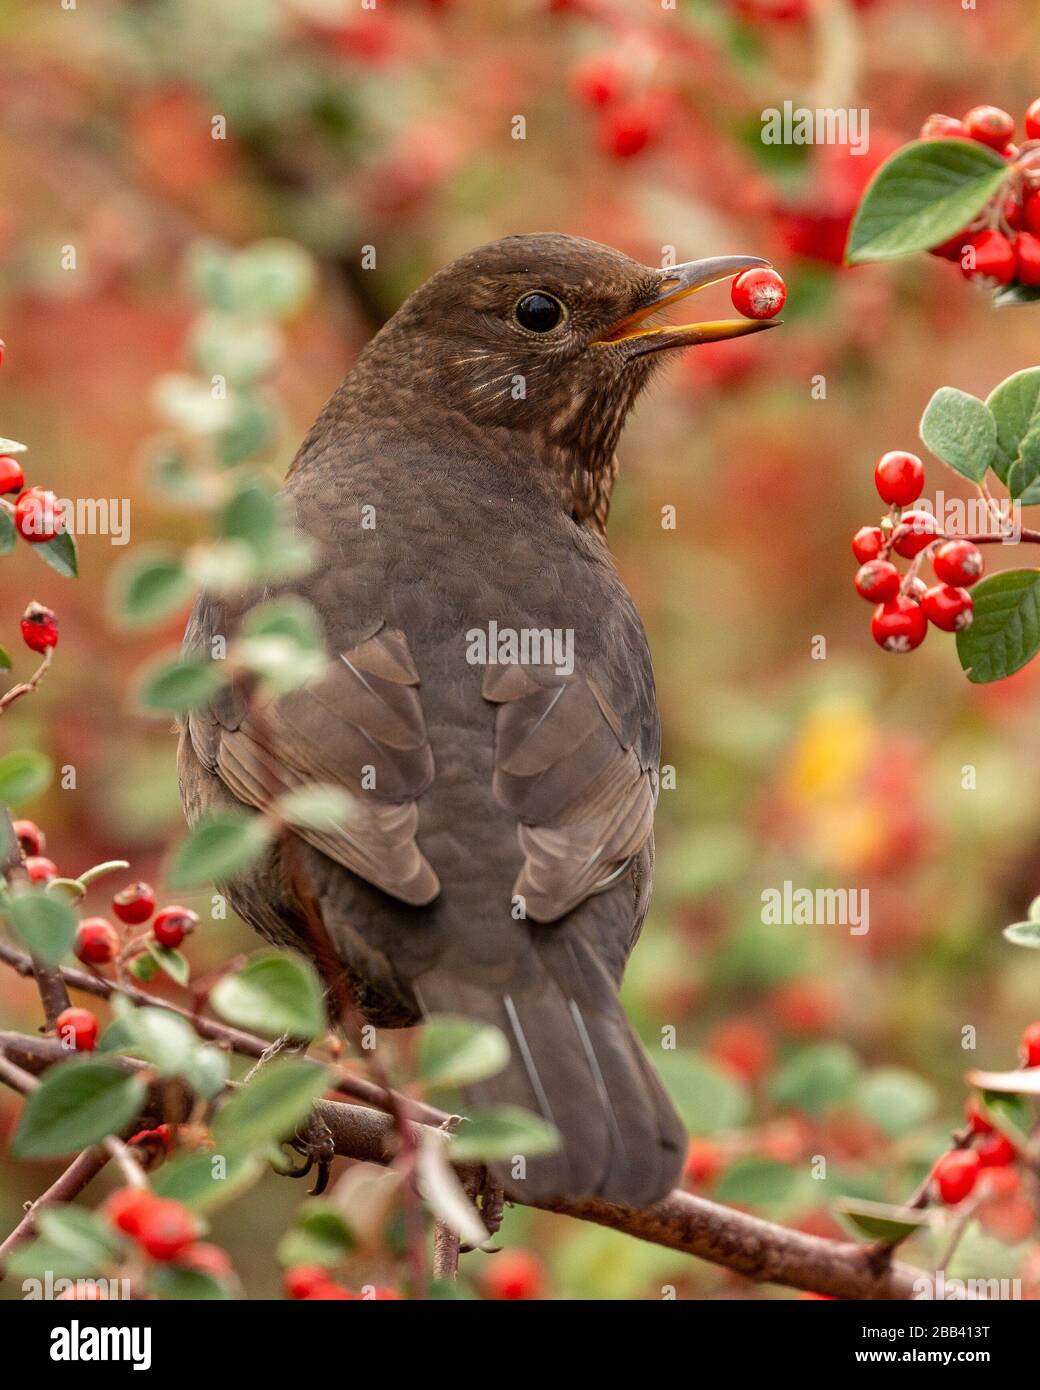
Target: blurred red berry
x=940, y=127
x=77, y=1029
x=125, y=1208
x=1011, y=1222
x=39, y=627
x=948, y=608
x=1031, y=211
x=899, y=478
x=955, y=1174
x=327, y=1291
x=37, y=515
x=165, y=1229
x=877, y=581
x=301, y=1280
x=30, y=836
x=1032, y=121
x=12, y=479
x=953, y=249
x=1029, y=1047
x=629, y=127
x=743, y=1045
x=899, y=626
x=959, y=563
x=703, y=1161
x=975, y=1118
x=514, y=1274
x=803, y=1007
x=97, y=941
x=207, y=1259
x=867, y=543
x=992, y=258
x=990, y=126
x=1027, y=258
x=598, y=80
x=40, y=869
x=173, y=924
x=995, y=1150
x=134, y=904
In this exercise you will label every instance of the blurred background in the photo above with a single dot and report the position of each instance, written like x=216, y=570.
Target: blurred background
x=393, y=128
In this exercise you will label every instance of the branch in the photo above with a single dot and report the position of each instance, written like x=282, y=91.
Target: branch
x=82, y=1170
x=27, y=687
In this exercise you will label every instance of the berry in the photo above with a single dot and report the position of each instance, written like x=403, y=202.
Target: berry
x=1012, y=213
x=173, y=924
x=134, y=904
x=703, y=1161
x=97, y=941
x=955, y=1174
x=758, y=293
x=948, y=608
x=742, y=1045
x=1031, y=211
x=301, y=1280
x=630, y=126
x=1010, y=1222
x=959, y=563
x=975, y=1118
x=899, y=626
x=995, y=1150
x=125, y=1208
x=207, y=1259
x=37, y=515
x=30, y=836
x=165, y=1229
x=899, y=478
x=327, y=1290
x=77, y=1029
x=940, y=127
x=12, y=479
x=915, y=533
x=1029, y=1047
x=953, y=249
x=992, y=258
x=1027, y=258
x=990, y=126
x=514, y=1274
x=597, y=81
x=40, y=869
x=867, y=543
x=39, y=628
x=877, y=581
x=1032, y=121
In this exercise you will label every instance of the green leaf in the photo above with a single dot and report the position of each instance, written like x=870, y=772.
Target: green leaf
x=173, y=962
x=708, y=1098
x=160, y=1037
x=271, y=1106
x=60, y=554
x=273, y=278
x=1012, y=1115
x=924, y=194
x=180, y=684
x=218, y=847
x=251, y=427
x=317, y=806
x=816, y=1078
x=1013, y=295
x=239, y=349
x=755, y=1182
x=1024, y=933
x=320, y=1236
x=206, y=1179
x=879, y=1220
x=207, y=1073
x=45, y=925
x=1005, y=633
x=77, y=1104
x=502, y=1132
x=897, y=1101
x=185, y=1285
x=272, y=995
x=1015, y=405
x=23, y=775
x=458, y=1051
x=5, y=659
x=83, y=1234
x=251, y=515
x=960, y=430
x=8, y=535
x=1023, y=479
x=148, y=586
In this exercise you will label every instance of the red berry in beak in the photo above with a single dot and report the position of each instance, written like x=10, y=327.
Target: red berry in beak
x=758, y=293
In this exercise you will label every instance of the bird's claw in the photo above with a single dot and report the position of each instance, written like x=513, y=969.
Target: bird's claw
x=314, y=1141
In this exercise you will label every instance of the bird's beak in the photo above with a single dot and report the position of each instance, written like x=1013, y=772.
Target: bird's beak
x=676, y=283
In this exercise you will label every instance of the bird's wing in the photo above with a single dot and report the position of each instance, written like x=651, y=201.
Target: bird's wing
x=360, y=727
x=583, y=796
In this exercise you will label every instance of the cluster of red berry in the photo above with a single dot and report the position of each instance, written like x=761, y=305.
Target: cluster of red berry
x=1004, y=241
x=314, y=1284
x=905, y=603
x=166, y=1230
x=986, y=1165
x=628, y=121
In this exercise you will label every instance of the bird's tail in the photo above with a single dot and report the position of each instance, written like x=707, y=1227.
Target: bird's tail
x=574, y=1060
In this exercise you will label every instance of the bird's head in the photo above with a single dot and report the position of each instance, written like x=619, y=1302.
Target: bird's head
x=552, y=336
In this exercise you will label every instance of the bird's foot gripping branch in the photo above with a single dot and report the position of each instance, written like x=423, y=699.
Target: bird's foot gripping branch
x=996, y=619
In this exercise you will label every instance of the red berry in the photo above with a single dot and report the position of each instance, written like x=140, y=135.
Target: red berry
x=915, y=533
x=40, y=869
x=514, y=1274
x=991, y=258
x=328, y=1290
x=877, y=581
x=39, y=627
x=899, y=626
x=301, y=1280
x=173, y=924
x=867, y=543
x=955, y=1174
x=758, y=293
x=1032, y=121
x=990, y=126
x=1031, y=211
x=959, y=563
x=12, y=479
x=628, y=127
x=948, y=608
x=940, y=127
x=77, y=1029
x=37, y=515
x=165, y=1229
x=995, y=1150
x=743, y=1045
x=1029, y=1047
x=953, y=249
x=30, y=836
x=1011, y=1222
x=97, y=941
x=975, y=1118
x=207, y=1259
x=1012, y=213
x=899, y=478
x=125, y=1208
x=597, y=81
x=1027, y=258
x=703, y=1162
x=134, y=904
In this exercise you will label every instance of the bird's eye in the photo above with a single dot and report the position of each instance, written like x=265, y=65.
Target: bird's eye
x=538, y=313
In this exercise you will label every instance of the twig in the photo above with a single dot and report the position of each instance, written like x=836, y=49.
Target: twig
x=27, y=687
x=81, y=1171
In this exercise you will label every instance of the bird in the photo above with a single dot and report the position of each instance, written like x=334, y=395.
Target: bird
x=488, y=701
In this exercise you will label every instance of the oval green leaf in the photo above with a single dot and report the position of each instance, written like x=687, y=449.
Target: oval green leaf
x=23, y=774
x=219, y=847
x=44, y=924
x=502, y=1132
x=179, y=685
x=1005, y=633
x=273, y=995
x=1015, y=405
x=960, y=430
x=271, y=1106
x=458, y=1051
x=76, y=1104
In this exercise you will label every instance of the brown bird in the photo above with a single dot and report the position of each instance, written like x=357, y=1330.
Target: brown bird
x=490, y=700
